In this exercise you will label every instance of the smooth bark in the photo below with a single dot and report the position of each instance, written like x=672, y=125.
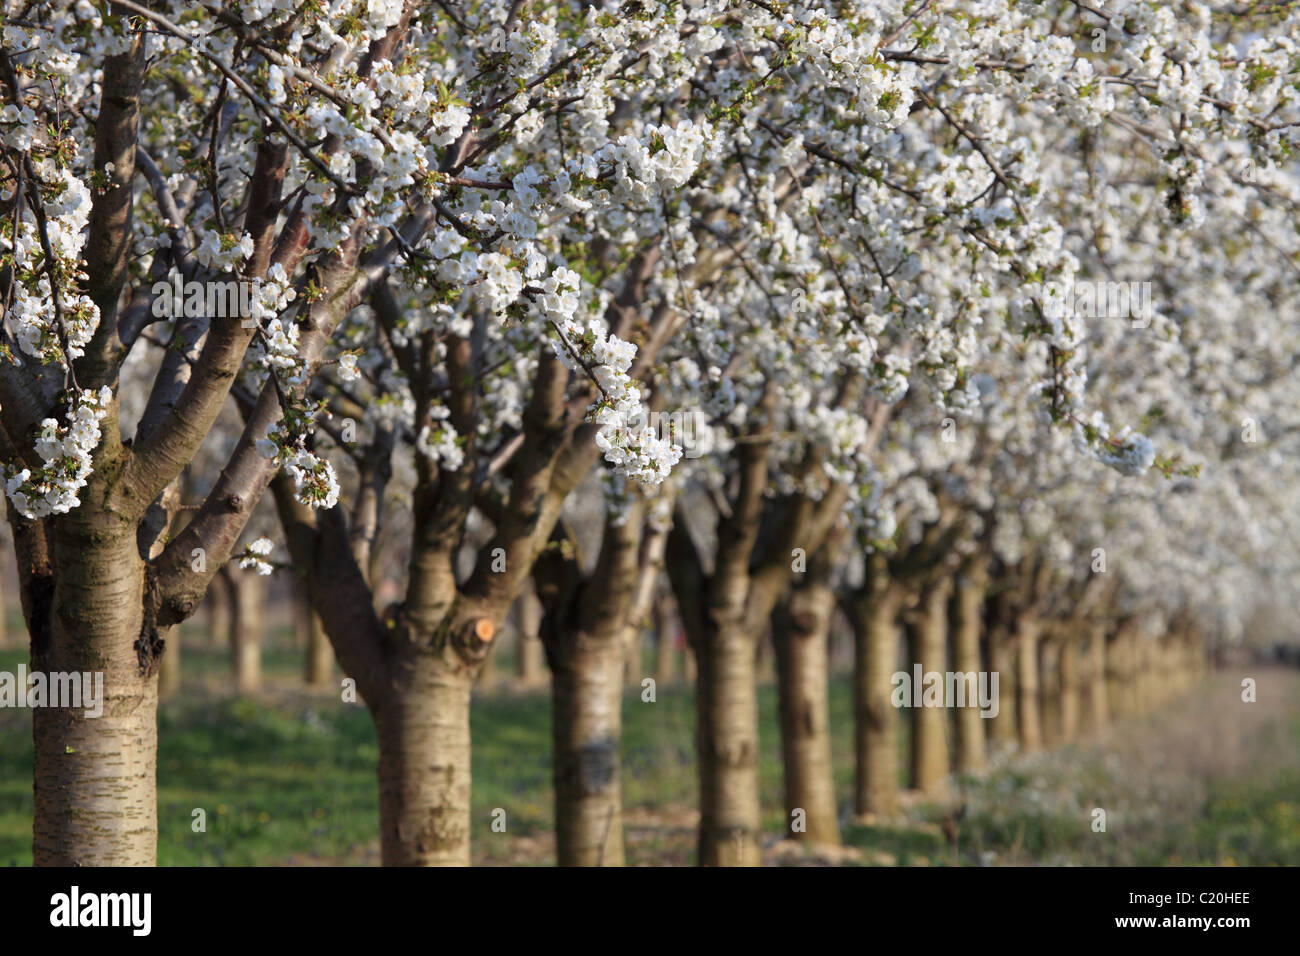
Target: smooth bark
x=1028, y=713
x=929, y=633
x=967, y=619
x=801, y=636
x=248, y=624
x=874, y=613
x=424, y=761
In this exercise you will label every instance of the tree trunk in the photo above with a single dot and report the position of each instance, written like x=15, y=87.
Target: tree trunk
x=1116, y=654
x=487, y=675
x=1028, y=715
x=1049, y=689
x=532, y=655
x=930, y=724
x=1068, y=664
x=586, y=691
x=801, y=636
x=1143, y=674
x=765, y=660
x=95, y=802
x=1003, y=728
x=875, y=659
x=219, y=603
x=169, y=669
x=967, y=618
x=633, y=657
x=727, y=745
x=424, y=761
x=318, y=662
x=5, y=636
x=248, y=615
x=665, y=651
x=1096, y=711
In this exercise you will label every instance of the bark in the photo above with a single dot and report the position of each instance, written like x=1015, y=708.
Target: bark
x=4, y=613
x=727, y=745
x=1049, y=689
x=424, y=761
x=1003, y=728
x=531, y=654
x=169, y=668
x=586, y=693
x=318, y=655
x=930, y=765
x=725, y=614
x=487, y=675
x=1096, y=713
x=94, y=786
x=967, y=618
x=633, y=657
x=82, y=575
x=219, y=602
x=665, y=651
x=585, y=635
x=1123, y=665
x=1028, y=714
x=248, y=622
x=1068, y=665
x=1145, y=674
x=765, y=660
x=874, y=613
x=801, y=636
x=1116, y=652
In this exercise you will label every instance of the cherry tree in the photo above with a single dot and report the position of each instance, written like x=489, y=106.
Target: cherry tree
x=485, y=242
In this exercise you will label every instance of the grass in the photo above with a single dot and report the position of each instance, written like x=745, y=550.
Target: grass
x=289, y=777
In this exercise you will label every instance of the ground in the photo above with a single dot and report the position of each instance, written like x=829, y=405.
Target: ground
x=289, y=778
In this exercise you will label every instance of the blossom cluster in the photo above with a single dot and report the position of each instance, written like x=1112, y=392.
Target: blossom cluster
x=65, y=450
x=254, y=555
